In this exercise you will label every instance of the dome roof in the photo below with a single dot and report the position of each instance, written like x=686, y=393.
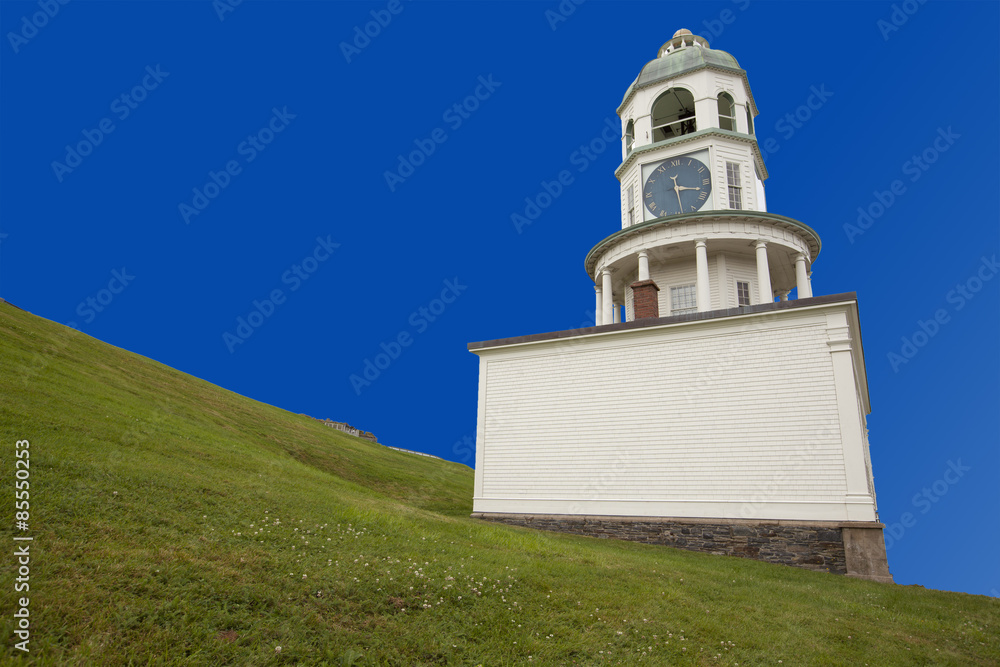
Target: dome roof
x=679, y=61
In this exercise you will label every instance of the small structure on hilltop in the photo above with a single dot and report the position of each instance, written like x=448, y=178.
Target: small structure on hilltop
x=705, y=409
x=350, y=430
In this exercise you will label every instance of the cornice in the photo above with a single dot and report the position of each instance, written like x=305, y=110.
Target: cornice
x=807, y=232
x=748, y=139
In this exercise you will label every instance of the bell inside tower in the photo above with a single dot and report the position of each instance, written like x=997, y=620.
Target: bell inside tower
x=673, y=114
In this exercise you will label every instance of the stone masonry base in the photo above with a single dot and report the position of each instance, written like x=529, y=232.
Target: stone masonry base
x=856, y=549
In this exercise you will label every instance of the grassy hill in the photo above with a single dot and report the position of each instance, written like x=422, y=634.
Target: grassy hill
x=175, y=522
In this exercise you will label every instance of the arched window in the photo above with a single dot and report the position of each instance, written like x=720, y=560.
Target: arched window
x=673, y=114
x=727, y=112
x=749, y=120
x=629, y=137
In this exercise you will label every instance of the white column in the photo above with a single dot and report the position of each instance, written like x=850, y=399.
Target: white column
x=598, y=320
x=608, y=297
x=763, y=274
x=809, y=281
x=783, y=295
x=701, y=276
x=615, y=314
x=643, y=265
x=802, y=278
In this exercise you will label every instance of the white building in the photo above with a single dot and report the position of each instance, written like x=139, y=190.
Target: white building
x=700, y=411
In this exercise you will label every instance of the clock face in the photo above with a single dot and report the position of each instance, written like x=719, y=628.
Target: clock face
x=677, y=185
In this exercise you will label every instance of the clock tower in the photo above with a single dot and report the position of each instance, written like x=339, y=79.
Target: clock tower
x=695, y=230
x=705, y=410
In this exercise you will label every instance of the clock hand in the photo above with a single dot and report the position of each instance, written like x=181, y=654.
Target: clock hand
x=677, y=191
x=681, y=187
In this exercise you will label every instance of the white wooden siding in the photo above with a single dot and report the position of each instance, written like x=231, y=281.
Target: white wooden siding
x=701, y=419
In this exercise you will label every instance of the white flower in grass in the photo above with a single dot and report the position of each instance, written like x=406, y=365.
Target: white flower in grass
x=277, y=649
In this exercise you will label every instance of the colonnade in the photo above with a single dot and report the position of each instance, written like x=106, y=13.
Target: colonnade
x=609, y=305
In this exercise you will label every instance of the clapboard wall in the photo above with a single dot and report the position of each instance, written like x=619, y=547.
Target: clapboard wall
x=754, y=413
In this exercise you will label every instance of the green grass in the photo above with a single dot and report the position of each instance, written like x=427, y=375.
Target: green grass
x=175, y=522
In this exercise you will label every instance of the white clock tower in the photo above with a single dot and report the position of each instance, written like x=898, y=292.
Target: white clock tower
x=704, y=410
x=694, y=217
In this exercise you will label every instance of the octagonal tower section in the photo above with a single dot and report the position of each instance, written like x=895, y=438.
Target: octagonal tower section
x=695, y=232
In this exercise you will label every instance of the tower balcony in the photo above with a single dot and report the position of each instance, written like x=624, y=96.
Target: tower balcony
x=701, y=261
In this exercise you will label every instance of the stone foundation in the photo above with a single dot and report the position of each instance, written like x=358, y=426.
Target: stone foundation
x=856, y=549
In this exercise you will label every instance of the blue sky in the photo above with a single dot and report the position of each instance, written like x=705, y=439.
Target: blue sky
x=231, y=155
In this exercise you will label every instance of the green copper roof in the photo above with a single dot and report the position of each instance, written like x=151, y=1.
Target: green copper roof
x=680, y=62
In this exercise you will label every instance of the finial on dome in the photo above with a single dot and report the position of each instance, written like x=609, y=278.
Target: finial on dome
x=681, y=39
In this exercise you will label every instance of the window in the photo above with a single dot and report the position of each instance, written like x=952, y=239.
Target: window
x=749, y=120
x=631, y=206
x=735, y=190
x=683, y=299
x=727, y=112
x=742, y=293
x=673, y=114
x=629, y=137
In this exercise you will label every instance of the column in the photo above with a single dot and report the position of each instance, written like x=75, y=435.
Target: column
x=598, y=307
x=802, y=278
x=643, y=266
x=701, y=276
x=608, y=304
x=763, y=274
x=783, y=295
x=615, y=319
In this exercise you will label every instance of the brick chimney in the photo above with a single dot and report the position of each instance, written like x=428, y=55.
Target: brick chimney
x=645, y=302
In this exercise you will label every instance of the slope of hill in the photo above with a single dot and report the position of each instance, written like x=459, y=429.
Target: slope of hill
x=176, y=522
